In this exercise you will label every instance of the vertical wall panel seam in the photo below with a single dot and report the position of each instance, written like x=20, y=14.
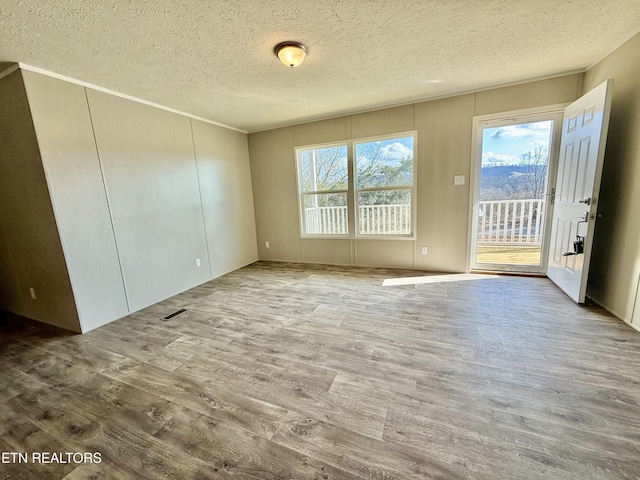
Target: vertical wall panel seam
x=355, y=252
x=204, y=223
x=106, y=194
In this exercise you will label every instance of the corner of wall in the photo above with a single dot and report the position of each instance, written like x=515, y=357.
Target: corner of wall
x=31, y=236
x=615, y=266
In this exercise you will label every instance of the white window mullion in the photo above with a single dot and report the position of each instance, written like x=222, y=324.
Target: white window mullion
x=352, y=198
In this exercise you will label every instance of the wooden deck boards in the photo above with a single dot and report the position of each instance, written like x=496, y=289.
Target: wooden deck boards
x=508, y=254
x=280, y=371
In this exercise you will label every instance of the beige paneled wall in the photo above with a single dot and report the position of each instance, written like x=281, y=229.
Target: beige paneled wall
x=152, y=183
x=382, y=122
x=10, y=295
x=139, y=194
x=332, y=130
x=384, y=253
x=333, y=251
x=615, y=262
x=31, y=255
x=15, y=130
x=443, y=150
x=273, y=176
x=528, y=95
x=224, y=176
x=63, y=125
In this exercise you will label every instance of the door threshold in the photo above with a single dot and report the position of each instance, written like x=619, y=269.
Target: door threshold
x=513, y=274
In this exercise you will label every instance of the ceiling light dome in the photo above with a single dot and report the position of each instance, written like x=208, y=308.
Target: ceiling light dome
x=291, y=53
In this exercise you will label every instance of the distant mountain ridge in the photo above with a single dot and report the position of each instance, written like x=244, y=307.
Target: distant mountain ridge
x=502, y=171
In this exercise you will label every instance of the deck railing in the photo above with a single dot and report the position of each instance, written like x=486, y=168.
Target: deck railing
x=326, y=220
x=384, y=219
x=373, y=220
x=511, y=222
x=500, y=222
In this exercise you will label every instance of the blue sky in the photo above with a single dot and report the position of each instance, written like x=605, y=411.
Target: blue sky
x=395, y=149
x=504, y=145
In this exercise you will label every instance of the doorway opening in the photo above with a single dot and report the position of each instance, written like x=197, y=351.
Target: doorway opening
x=513, y=191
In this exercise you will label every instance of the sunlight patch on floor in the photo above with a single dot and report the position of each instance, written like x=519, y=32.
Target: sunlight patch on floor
x=456, y=277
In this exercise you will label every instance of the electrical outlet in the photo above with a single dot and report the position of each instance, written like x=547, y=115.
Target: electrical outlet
x=197, y=262
x=32, y=292
x=424, y=250
x=458, y=180
x=266, y=245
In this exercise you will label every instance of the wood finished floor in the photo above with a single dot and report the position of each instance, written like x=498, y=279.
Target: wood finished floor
x=286, y=371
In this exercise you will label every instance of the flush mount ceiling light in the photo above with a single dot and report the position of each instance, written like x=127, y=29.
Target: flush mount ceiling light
x=291, y=53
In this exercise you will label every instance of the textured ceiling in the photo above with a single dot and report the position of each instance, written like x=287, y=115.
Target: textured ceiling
x=214, y=59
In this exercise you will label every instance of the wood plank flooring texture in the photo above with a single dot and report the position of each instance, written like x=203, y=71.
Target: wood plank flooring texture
x=288, y=371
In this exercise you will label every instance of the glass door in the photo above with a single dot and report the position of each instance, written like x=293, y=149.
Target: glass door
x=512, y=194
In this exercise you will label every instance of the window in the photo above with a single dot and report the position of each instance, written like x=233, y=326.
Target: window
x=323, y=180
x=384, y=185
x=373, y=177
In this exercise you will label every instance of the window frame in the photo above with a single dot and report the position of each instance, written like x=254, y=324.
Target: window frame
x=302, y=194
x=353, y=227
x=411, y=188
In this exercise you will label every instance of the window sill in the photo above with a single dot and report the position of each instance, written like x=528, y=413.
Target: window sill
x=359, y=237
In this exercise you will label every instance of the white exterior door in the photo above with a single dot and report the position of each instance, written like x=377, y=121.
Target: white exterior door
x=584, y=134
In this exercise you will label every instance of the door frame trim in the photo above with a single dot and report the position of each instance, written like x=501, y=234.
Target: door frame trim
x=475, y=164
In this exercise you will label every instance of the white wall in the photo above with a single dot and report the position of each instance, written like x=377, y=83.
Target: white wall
x=222, y=159
x=65, y=135
x=151, y=181
x=139, y=193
